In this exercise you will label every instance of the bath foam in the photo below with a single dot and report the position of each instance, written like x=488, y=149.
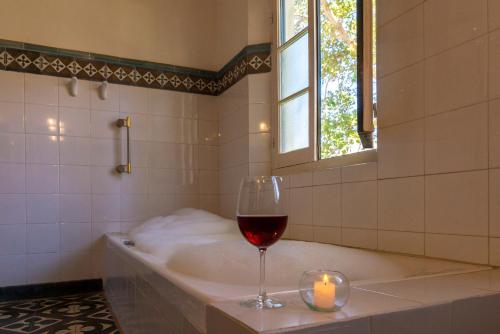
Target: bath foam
x=160, y=236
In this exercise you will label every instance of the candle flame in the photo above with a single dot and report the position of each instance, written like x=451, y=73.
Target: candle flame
x=325, y=278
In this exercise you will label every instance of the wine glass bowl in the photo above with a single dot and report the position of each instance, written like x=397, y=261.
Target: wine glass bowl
x=262, y=220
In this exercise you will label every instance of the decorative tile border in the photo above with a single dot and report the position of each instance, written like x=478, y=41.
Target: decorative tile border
x=30, y=58
x=252, y=59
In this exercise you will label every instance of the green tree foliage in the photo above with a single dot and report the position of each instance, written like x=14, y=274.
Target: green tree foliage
x=338, y=78
x=338, y=90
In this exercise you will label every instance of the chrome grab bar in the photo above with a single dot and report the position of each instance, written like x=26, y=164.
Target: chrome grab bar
x=127, y=123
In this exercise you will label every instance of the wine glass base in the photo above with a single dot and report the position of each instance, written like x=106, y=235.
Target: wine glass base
x=259, y=304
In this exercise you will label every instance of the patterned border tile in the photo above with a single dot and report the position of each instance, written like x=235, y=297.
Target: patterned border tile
x=30, y=58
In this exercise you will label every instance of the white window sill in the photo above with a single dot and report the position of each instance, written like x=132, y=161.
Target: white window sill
x=340, y=161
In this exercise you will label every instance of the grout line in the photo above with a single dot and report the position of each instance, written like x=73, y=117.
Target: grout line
x=381, y=77
x=425, y=116
x=425, y=58
x=342, y=227
x=488, y=128
x=457, y=235
x=367, y=289
x=60, y=250
x=439, y=173
x=377, y=213
x=425, y=130
x=26, y=279
x=400, y=14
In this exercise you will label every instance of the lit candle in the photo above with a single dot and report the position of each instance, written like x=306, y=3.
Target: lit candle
x=324, y=293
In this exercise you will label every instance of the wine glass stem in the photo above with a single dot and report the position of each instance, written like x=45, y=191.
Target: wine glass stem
x=262, y=281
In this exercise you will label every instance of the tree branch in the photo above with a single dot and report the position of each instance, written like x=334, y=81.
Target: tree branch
x=337, y=29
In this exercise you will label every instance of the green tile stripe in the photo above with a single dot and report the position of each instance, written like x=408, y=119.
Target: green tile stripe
x=39, y=59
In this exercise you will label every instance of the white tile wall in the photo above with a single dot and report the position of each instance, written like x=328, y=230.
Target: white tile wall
x=43, y=238
x=301, y=206
x=455, y=247
x=13, y=208
x=11, y=117
x=400, y=43
x=12, y=87
x=302, y=232
x=361, y=238
x=326, y=205
x=74, y=151
x=401, y=242
x=457, y=203
x=329, y=235
x=447, y=152
x=245, y=140
x=401, y=150
x=58, y=190
x=42, y=149
x=327, y=176
x=393, y=8
x=451, y=22
x=41, y=119
x=17, y=272
x=402, y=99
x=494, y=202
x=401, y=204
x=12, y=178
x=359, y=195
x=42, y=208
x=12, y=239
x=494, y=251
x=494, y=63
x=42, y=179
x=494, y=133
x=457, y=77
x=43, y=268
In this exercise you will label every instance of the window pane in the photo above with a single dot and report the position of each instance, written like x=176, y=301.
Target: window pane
x=293, y=18
x=294, y=124
x=294, y=67
x=338, y=65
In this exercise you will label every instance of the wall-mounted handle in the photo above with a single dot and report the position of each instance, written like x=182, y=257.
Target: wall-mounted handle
x=127, y=123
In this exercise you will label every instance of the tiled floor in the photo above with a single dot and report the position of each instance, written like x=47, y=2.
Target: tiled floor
x=77, y=314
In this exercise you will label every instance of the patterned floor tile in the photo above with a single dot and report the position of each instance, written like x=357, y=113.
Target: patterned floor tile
x=78, y=314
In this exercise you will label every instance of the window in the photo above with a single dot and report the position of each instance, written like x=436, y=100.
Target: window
x=325, y=86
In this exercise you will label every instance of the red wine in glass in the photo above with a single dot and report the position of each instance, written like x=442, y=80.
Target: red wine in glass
x=262, y=231
x=262, y=220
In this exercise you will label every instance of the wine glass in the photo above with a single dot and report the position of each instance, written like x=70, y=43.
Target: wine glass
x=262, y=220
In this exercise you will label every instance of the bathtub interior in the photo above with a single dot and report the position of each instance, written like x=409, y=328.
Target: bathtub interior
x=237, y=262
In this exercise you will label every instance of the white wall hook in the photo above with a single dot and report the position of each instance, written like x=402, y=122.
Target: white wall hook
x=103, y=90
x=73, y=86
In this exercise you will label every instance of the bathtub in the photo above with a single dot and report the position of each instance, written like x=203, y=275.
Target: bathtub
x=179, y=266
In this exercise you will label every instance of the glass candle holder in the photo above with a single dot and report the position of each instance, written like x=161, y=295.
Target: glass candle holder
x=324, y=290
